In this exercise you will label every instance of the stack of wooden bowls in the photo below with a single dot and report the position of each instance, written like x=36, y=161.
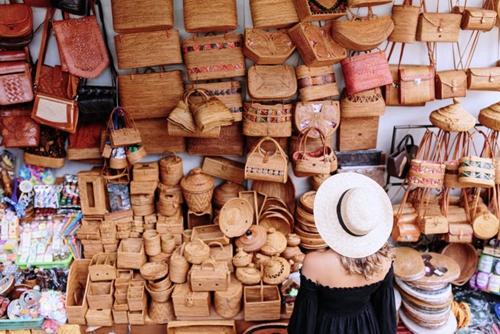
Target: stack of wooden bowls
x=305, y=226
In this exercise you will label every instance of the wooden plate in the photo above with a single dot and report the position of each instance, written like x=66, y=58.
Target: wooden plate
x=408, y=264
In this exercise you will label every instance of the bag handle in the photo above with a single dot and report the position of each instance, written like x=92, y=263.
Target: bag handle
x=216, y=243
x=176, y=157
x=303, y=141
x=405, y=141
x=266, y=157
x=210, y=262
x=47, y=27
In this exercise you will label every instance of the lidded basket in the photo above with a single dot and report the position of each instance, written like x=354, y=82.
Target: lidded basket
x=275, y=243
x=197, y=189
x=226, y=191
x=248, y=275
x=276, y=270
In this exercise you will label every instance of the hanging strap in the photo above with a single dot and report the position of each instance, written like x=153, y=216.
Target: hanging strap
x=47, y=28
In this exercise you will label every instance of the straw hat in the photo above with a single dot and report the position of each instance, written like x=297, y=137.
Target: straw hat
x=490, y=116
x=353, y=214
x=453, y=118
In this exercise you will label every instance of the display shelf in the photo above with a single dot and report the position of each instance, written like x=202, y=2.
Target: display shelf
x=20, y=324
x=58, y=264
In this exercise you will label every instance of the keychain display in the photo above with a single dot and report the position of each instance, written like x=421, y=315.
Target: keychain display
x=47, y=196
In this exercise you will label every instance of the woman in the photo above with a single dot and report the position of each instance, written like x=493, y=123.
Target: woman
x=349, y=287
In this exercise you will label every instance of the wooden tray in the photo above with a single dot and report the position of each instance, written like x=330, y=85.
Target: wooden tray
x=201, y=326
x=209, y=233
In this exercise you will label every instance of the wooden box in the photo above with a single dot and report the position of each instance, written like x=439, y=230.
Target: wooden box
x=143, y=187
x=225, y=169
x=76, y=300
x=210, y=233
x=209, y=276
x=100, y=295
x=358, y=133
x=136, y=296
x=261, y=302
x=145, y=171
x=99, y=317
x=120, y=317
x=195, y=219
x=92, y=192
x=137, y=317
x=103, y=267
x=201, y=326
x=190, y=304
x=131, y=254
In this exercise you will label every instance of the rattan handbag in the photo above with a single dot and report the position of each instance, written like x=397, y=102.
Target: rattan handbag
x=271, y=82
x=214, y=57
x=267, y=165
x=320, y=10
x=427, y=170
x=476, y=18
x=122, y=130
x=208, y=16
x=451, y=83
x=316, y=83
x=485, y=78
x=321, y=160
x=321, y=115
x=363, y=104
x=273, y=14
x=405, y=18
x=260, y=119
x=451, y=161
x=477, y=170
x=137, y=15
x=438, y=27
x=267, y=48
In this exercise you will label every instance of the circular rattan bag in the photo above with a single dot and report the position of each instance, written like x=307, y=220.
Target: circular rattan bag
x=485, y=225
x=235, y=217
x=466, y=256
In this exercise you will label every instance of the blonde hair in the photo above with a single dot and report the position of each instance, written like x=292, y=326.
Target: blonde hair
x=367, y=266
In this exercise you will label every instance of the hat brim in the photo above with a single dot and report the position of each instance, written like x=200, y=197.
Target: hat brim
x=327, y=221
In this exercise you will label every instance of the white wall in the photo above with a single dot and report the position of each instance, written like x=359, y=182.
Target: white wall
x=487, y=54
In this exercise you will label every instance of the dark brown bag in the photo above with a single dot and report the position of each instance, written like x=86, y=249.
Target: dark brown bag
x=18, y=129
x=16, y=25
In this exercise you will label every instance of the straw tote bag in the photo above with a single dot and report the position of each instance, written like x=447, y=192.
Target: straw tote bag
x=321, y=160
x=268, y=48
x=321, y=115
x=476, y=18
x=273, y=14
x=271, y=165
x=477, y=170
x=214, y=56
x=271, y=82
x=405, y=18
x=139, y=92
x=485, y=78
x=209, y=15
x=451, y=161
x=438, y=27
x=139, y=15
x=267, y=119
x=367, y=103
x=427, y=170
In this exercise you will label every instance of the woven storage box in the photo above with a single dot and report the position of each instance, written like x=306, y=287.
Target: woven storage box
x=190, y=304
x=136, y=16
x=145, y=171
x=316, y=83
x=209, y=16
x=209, y=276
x=272, y=14
x=92, y=192
x=131, y=254
x=225, y=169
x=214, y=57
x=143, y=187
x=151, y=130
x=136, y=296
x=137, y=317
x=358, y=133
x=120, y=317
x=100, y=295
x=198, y=219
x=99, y=317
x=151, y=48
x=228, y=92
x=139, y=93
x=202, y=326
x=261, y=302
x=103, y=267
x=77, y=286
x=308, y=11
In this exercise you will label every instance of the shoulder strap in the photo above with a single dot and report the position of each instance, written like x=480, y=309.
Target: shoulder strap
x=47, y=27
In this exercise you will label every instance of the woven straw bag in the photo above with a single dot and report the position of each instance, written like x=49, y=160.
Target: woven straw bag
x=405, y=18
x=273, y=14
x=426, y=170
x=416, y=84
x=210, y=112
x=316, y=45
x=267, y=48
x=485, y=78
x=477, y=170
x=366, y=3
x=214, y=57
x=154, y=128
x=321, y=160
x=179, y=266
x=366, y=103
x=476, y=18
x=267, y=165
x=366, y=71
x=228, y=92
x=136, y=16
x=312, y=144
x=208, y=16
x=321, y=115
x=362, y=33
x=196, y=251
x=261, y=119
x=127, y=135
x=139, y=93
x=320, y=10
x=316, y=83
x=451, y=83
x=453, y=118
x=490, y=117
x=271, y=82
x=438, y=27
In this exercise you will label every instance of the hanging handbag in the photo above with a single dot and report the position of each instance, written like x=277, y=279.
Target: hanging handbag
x=271, y=82
x=148, y=48
x=451, y=161
x=366, y=71
x=96, y=102
x=321, y=160
x=16, y=25
x=362, y=33
x=321, y=115
x=450, y=84
x=269, y=14
x=485, y=78
x=139, y=92
x=76, y=7
x=17, y=127
x=267, y=165
x=363, y=104
x=122, y=129
x=207, y=16
x=316, y=83
x=398, y=162
x=416, y=84
x=137, y=15
x=426, y=169
x=16, y=85
x=316, y=45
x=477, y=170
x=405, y=18
x=82, y=45
x=476, y=18
x=267, y=48
x=320, y=10
x=214, y=56
x=261, y=119
x=438, y=27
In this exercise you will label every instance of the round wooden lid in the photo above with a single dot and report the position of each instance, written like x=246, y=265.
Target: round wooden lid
x=408, y=264
x=439, y=269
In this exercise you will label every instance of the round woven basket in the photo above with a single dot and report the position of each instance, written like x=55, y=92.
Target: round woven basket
x=228, y=303
x=154, y=270
x=225, y=192
x=167, y=243
x=171, y=170
x=197, y=189
x=490, y=116
x=152, y=244
x=161, y=284
x=160, y=296
x=196, y=251
x=168, y=205
x=143, y=210
x=466, y=256
x=161, y=313
x=179, y=266
x=118, y=163
x=452, y=118
x=162, y=257
x=137, y=155
x=242, y=258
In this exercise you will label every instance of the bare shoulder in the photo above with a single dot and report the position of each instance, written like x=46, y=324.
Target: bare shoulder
x=317, y=263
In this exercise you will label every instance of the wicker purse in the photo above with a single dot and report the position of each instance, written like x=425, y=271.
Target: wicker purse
x=438, y=27
x=122, y=129
x=271, y=82
x=267, y=48
x=261, y=119
x=209, y=16
x=426, y=170
x=272, y=14
x=267, y=165
x=405, y=18
x=321, y=115
x=476, y=18
x=214, y=57
x=316, y=83
x=137, y=16
x=320, y=10
x=316, y=45
x=451, y=83
x=365, y=103
x=485, y=78
x=321, y=160
x=451, y=161
x=477, y=170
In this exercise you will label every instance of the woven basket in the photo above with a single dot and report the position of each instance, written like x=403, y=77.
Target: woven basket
x=312, y=144
x=42, y=161
x=160, y=296
x=144, y=209
x=310, y=11
x=230, y=143
x=451, y=83
x=127, y=135
x=167, y=243
x=426, y=174
x=267, y=165
x=316, y=45
x=154, y=270
x=136, y=156
x=196, y=251
x=271, y=82
x=179, y=266
x=228, y=92
x=152, y=244
x=209, y=112
x=169, y=205
x=267, y=48
x=273, y=14
x=405, y=17
x=160, y=285
x=362, y=104
x=274, y=120
x=214, y=57
x=438, y=27
x=323, y=116
x=316, y=83
x=161, y=312
x=466, y=256
x=197, y=189
x=208, y=16
x=416, y=84
x=171, y=170
x=228, y=303
x=476, y=171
